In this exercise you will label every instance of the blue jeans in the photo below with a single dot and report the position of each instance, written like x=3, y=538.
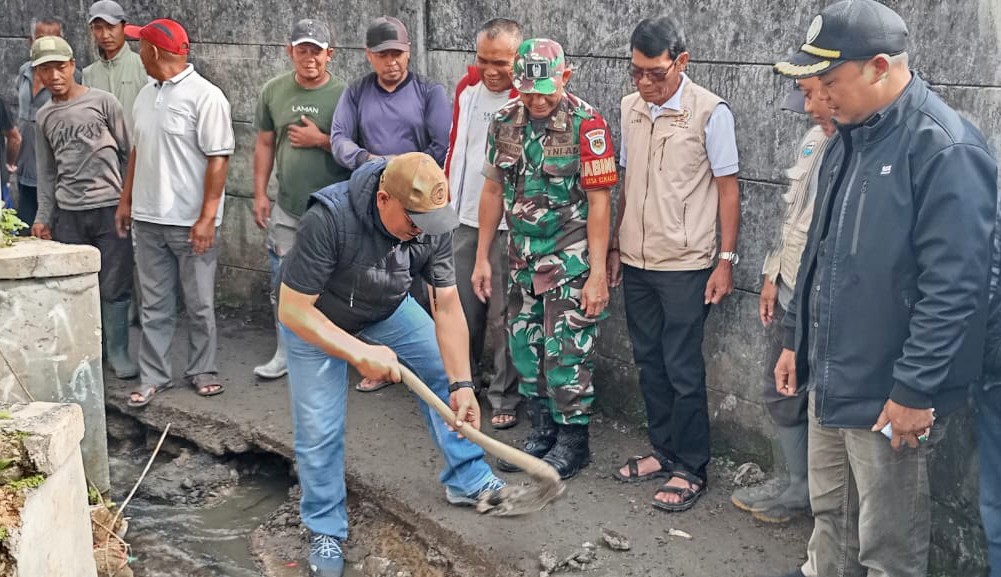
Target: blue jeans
x=989, y=409
x=275, y=268
x=318, y=384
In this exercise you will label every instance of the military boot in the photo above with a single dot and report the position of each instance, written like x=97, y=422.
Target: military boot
x=543, y=435
x=572, y=451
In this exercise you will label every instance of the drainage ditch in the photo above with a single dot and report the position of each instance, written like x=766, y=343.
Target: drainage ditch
x=200, y=515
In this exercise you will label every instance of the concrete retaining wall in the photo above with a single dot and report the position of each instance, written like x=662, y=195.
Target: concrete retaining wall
x=51, y=536
x=50, y=336
x=238, y=44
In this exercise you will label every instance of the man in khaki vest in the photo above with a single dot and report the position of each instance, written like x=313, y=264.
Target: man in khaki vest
x=681, y=176
x=782, y=498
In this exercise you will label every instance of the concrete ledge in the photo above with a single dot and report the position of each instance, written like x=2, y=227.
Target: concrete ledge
x=46, y=520
x=33, y=258
x=55, y=433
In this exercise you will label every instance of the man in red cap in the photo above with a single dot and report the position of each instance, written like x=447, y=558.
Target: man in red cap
x=173, y=200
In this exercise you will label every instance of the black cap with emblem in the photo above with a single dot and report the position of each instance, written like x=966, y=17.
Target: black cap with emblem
x=846, y=30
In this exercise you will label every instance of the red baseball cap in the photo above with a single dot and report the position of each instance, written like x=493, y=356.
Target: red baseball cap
x=163, y=33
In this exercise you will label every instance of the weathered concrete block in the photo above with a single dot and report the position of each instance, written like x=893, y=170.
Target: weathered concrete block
x=761, y=212
x=953, y=42
x=241, y=288
x=241, y=243
x=33, y=258
x=53, y=536
x=240, y=180
x=55, y=433
x=734, y=346
x=13, y=53
x=50, y=334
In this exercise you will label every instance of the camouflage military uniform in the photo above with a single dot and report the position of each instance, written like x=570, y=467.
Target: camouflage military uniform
x=546, y=168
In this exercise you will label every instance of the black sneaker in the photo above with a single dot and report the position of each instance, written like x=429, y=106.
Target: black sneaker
x=326, y=559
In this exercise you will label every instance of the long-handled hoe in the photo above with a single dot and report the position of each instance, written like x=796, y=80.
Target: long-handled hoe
x=511, y=500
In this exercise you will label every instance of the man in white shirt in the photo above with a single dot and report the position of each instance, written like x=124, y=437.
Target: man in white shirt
x=481, y=92
x=173, y=198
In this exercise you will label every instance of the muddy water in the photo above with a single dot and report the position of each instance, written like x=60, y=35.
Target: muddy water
x=180, y=540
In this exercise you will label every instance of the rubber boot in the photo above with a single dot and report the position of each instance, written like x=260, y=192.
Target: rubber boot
x=795, y=500
x=115, y=321
x=543, y=435
x=572, y=451
x=277, y=367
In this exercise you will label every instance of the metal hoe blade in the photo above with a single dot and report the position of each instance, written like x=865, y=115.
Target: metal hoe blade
x=510, y=500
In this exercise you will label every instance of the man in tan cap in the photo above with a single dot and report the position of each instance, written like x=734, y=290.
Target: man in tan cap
x=344, y=300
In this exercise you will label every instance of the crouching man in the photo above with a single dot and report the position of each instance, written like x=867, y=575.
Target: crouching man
x=344, y=300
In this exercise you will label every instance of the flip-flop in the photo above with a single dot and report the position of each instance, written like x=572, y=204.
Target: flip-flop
x=147, y=392
x=633, y=463
x=506, y=425
x=379, y=386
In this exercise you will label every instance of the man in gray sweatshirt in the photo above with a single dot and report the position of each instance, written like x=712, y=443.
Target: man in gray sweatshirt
x=81, y=148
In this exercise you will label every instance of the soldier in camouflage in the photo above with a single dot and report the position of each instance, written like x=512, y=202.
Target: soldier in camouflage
x=549, y=170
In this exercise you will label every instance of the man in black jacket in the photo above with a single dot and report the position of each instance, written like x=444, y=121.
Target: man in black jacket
x=987, y=394
x=344, y=300
x=886, y=326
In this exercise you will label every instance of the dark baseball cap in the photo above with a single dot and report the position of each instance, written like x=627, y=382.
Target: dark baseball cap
x=107, y=10
x=387, y=33
x=795, y=101
x=844, y=31
x=312, y=32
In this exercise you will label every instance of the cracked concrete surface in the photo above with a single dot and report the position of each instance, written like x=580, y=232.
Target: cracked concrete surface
x=390, y=457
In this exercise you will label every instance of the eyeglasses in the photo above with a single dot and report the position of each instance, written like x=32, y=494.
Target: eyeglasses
x=654, y=74
x=413, y=226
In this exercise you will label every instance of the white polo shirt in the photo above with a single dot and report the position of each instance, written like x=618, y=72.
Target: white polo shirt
x=179, y=123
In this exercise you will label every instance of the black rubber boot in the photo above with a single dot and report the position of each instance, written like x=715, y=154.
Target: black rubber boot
x=543, y=435
x=572, y=451
x=115, y=324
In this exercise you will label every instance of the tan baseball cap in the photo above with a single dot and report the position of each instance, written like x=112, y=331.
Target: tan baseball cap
x=417, y=181
x=50, y=49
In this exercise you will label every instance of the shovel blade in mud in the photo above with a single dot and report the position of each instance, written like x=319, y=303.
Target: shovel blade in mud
x=510, y=500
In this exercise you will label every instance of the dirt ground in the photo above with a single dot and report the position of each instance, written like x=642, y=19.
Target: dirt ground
x=392, y=461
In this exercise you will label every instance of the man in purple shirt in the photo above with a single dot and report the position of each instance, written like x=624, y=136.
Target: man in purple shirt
x=391, y=110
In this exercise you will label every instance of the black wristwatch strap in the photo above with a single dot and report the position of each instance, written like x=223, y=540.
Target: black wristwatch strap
x=452, y=387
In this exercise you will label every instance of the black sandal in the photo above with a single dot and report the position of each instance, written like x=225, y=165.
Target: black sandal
x=633, y=463
x=512, y=422
x=689, y=496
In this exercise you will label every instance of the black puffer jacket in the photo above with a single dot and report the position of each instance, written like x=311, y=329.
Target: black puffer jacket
x=373, y=270
x=891, y=298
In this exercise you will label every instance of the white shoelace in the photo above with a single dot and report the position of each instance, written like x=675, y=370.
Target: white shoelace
x=325, y=547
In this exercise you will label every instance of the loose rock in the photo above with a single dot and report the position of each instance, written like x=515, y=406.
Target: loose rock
x=615, y=541
x=678, y=533
x=748, y=474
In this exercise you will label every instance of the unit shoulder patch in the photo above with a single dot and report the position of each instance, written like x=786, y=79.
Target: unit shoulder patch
x=597, y=157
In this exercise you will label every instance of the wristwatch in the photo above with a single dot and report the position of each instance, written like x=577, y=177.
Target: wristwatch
x=452, y=387
x=730, y=256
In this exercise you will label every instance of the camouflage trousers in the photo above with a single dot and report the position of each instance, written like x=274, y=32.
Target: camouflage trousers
x=552, y=346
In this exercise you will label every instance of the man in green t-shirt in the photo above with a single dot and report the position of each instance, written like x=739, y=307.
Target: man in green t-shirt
x=290, y=113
